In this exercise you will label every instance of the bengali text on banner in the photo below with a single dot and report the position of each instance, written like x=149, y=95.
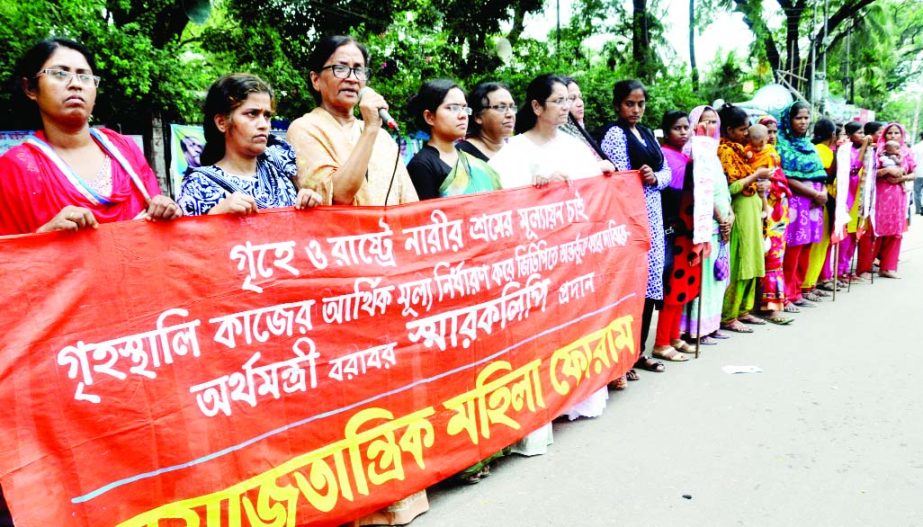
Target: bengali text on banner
x=305, y=367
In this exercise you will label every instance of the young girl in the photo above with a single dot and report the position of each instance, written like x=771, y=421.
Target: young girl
x=682, y=272
x=441, y=169
x=761, y=154
x=775, y=221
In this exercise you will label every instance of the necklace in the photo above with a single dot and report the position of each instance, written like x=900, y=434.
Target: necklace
x=102, y=183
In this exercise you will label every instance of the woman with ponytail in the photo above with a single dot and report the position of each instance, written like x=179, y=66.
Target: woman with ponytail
x=244, y=167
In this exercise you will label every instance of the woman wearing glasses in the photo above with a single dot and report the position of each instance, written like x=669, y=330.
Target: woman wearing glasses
x=348, y=161
x=493, y=119
x=539, y=154
x=69, y=176
x=575, y=125
x=440, y=169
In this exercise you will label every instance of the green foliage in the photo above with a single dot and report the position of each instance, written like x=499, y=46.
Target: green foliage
x=140, y=76
x=153, y=60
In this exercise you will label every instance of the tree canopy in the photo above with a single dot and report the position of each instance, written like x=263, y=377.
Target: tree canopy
x=155, y=61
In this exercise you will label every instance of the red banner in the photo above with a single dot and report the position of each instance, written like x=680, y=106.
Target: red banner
x=305, y=367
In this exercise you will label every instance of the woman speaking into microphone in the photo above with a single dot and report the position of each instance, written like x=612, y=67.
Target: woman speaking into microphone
x=348, y=161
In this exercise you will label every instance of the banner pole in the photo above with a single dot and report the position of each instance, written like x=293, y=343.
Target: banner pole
x=698, y=315
x=836, y=268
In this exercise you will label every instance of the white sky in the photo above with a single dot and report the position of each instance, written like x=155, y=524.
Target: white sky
x=728, y=31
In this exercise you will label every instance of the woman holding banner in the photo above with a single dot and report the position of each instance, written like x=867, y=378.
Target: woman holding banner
x=244, y=167
x=848, y=177
x=632, y=146
x=69, y=176
x=493, y=117
x=352, y=162
x=551, y=156
x=441, y=168
x=348, y=161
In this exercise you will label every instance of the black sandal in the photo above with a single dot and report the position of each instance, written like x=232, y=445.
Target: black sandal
x=632, y=375
x=649, y=364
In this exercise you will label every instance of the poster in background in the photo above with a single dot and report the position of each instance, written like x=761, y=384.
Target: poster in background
x=186, y=145
x=305, y=367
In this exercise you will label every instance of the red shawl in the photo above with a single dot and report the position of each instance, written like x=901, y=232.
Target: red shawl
x=33, y=190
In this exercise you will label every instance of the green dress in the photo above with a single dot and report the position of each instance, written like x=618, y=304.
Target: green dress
x=747, y=260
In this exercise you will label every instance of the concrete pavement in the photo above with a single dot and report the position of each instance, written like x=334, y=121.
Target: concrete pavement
x=830, y=434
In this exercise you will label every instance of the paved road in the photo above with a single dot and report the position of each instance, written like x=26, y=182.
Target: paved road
x=830, y=434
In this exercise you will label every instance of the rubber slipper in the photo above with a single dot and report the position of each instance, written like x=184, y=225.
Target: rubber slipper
x=736, y=327
x=811, y=297
x=780, y=320
x=669, y=354
x=752, y=320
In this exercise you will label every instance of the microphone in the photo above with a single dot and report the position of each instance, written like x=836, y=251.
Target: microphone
x=385, y=116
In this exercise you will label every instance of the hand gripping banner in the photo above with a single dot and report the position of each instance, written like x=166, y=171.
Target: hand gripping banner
x=305, y=367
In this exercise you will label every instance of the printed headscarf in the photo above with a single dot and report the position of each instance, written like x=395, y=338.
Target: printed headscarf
x=909, y=163
x=800, y=160
x=694, y=117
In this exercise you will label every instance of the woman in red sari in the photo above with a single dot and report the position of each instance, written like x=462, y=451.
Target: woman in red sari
x=69, y=176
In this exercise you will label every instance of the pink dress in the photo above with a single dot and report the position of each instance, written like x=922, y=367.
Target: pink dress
x=33, y=189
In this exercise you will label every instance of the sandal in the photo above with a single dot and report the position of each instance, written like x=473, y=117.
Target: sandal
x=648, y=364
x=822, y=294
x=752, y=320
x=801, y=302
x=829, y=286
x=718, y=335
x=811, y=296
x=790, y=308
x=736, y=327
x=632, y=375
x=889, y=274
x=682, y=346
x=669, y=354
x=780, y=320
x=705, y=341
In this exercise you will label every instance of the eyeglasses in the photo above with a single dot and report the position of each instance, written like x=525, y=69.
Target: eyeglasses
x=65, y=76
x=342, y=71
x=458, y=108
x=560, y=101
x=502, y=108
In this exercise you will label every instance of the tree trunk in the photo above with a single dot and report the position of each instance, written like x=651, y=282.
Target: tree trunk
x=641, y=39
x=758, y=26
x=692, y=64
x=792, y=31
x=155, y=151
